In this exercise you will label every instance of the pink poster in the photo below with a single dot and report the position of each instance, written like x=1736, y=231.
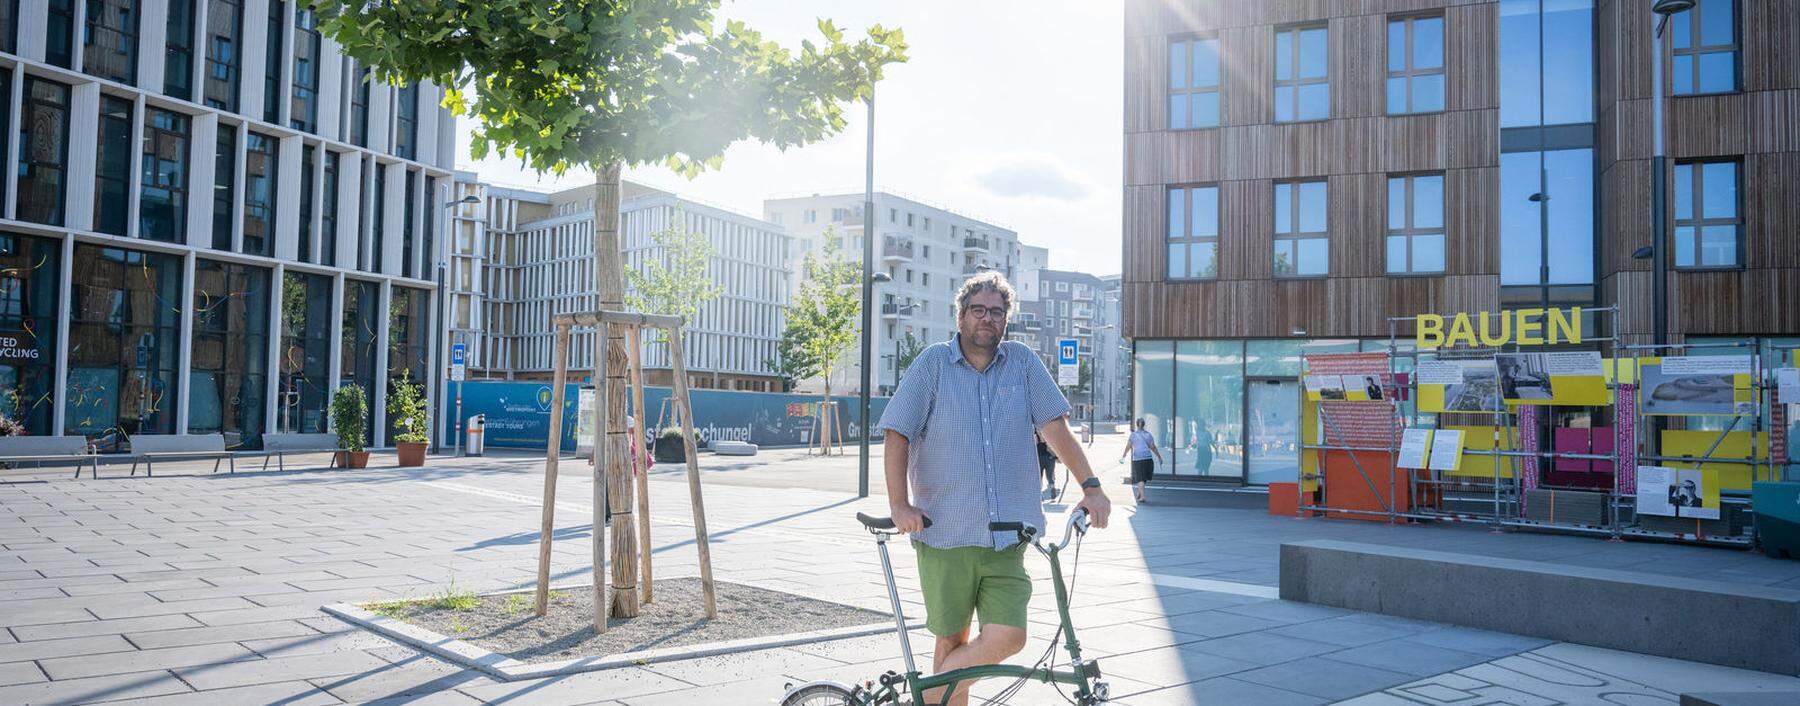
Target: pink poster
x=1528, y=443
x=1625, y=439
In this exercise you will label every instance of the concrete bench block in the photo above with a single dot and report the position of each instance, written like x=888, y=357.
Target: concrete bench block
x=1751, y=627
x=733, y=448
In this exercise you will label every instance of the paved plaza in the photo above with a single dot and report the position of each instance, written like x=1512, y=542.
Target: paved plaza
x=194, y=588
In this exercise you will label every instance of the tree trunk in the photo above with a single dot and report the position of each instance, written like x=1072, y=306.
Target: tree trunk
x=825, y=418
x=609, y=285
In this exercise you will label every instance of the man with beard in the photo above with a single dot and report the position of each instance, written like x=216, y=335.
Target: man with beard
x=960, y=429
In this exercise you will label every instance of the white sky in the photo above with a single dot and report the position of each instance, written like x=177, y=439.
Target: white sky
x=1009, y=110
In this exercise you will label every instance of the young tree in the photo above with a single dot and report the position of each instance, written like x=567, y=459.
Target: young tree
x=821, y=321
x=673, y=279
x=909, y=348
x=600, y=84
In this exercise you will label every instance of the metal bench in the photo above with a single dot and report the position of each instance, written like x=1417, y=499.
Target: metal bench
x=281, y=444
x=49, y=449
x=147, y=448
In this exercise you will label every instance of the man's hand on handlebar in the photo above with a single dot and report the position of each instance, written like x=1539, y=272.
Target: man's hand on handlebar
x=907, y=519
x=1097, y=506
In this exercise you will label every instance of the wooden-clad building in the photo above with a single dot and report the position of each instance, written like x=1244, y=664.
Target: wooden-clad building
x=1299, y=171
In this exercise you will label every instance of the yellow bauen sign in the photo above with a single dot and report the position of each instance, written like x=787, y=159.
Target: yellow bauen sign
x=1525, y=327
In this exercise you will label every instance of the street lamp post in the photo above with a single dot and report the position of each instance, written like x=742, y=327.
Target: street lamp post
x=1659, y=277
x=451, y=332
x=868, y=299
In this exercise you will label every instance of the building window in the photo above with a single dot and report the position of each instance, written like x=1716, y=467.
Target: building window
x=812, y=216
x=1302, y=245
x=162, y=208
x=43, y=151
x=230, y=357
x=178, y=59
x=306, y=201
x=224, y=20
x=305, y=353
x=1708, y=223
x=406, y=121
x=379, y=216
x=359, y=106
x=409, y=343
x=1415, y=224
x=1705, y=52
x=1302, y=76
x=59, y=33
x=30, y=280
x=305, y=106
x=124, y=342
x=1415, y=76
x=428, y=239
x=1546, y=49
x=110, y=51
x=1193, y=233
x=112, y=166
x=224, y=187
x=1554, y=248
x=407, y=269
x=328, y=215
x=356, y=353
x=1193, y=83
x=9, y=26
x=260, y=169
x=272, y=62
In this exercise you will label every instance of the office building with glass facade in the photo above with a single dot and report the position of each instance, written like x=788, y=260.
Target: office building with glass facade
x=210, y=220
x=1297, y=173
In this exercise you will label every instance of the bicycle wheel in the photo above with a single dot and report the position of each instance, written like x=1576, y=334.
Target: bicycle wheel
x=819, y=695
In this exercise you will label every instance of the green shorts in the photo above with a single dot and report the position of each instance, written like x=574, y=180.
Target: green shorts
x=965, y=580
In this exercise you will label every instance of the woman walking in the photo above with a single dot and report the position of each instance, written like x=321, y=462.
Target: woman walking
x=1142, y=448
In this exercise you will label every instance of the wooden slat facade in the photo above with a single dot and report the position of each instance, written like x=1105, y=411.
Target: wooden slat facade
x=1360, y=146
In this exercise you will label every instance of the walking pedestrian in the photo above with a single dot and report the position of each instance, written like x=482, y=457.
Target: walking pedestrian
x=1047, y=464
x=1142, y=448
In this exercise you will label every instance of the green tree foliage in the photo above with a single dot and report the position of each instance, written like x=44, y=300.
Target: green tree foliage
x=910, y=348
x=821, y=321
x=586, y=83
x=673, y=279
x=406, y=405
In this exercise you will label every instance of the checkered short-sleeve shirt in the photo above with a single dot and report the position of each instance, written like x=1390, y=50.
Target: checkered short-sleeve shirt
x=972, y=453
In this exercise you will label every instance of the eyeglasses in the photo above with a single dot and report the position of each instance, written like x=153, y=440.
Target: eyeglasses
x=985, y=312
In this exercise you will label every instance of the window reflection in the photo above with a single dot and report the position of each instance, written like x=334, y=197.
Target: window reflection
x=228, y=381
x=124, y=340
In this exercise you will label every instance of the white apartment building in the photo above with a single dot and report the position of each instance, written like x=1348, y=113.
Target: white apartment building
x=927, y=249
x=211, y=220
x=538, y=262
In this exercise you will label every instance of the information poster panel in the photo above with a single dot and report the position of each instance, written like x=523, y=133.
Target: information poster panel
x=1446, y=449
x=1415, y=444
x=1697, y=385
x=1677, y=492
x=1574, y=378
x=1476, y=389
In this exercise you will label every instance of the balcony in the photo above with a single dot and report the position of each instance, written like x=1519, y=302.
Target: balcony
x=893, y=312
x=896, y=251
x=980, y=244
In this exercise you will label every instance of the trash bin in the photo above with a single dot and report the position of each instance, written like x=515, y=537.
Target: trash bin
x=1777, y=508
x=476, y=438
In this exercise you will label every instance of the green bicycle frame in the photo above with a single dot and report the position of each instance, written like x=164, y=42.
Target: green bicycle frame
x=1080, y=677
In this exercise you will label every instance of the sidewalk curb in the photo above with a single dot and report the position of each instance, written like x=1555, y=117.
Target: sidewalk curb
x=505, y=668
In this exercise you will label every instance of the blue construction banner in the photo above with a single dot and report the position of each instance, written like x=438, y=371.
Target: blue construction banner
x=518, y=414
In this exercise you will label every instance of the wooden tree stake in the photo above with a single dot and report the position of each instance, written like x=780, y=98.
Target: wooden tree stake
x=602, y=604
x=684, y=405
x=552, y=450
x=640, y=467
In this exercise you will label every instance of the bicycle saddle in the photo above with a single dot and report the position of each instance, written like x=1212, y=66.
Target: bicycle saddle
x=882, y=523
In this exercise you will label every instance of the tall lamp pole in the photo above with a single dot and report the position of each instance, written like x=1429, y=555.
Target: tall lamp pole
x=1659, y=256
x=451, y=332
x=868, y=299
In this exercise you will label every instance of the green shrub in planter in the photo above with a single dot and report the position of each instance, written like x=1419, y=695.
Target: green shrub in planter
x=406, y=405
x=350, y=416
x=670, y=446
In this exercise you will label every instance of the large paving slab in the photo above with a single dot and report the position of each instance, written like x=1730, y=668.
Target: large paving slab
x=197, y=589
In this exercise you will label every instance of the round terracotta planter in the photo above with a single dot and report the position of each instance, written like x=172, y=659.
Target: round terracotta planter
x=351, y=459
x=412, y=455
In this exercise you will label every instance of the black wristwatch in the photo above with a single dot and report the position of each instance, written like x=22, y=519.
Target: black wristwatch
x=1091, y=482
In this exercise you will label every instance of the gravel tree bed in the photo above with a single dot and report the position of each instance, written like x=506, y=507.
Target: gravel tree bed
x=505, y=624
